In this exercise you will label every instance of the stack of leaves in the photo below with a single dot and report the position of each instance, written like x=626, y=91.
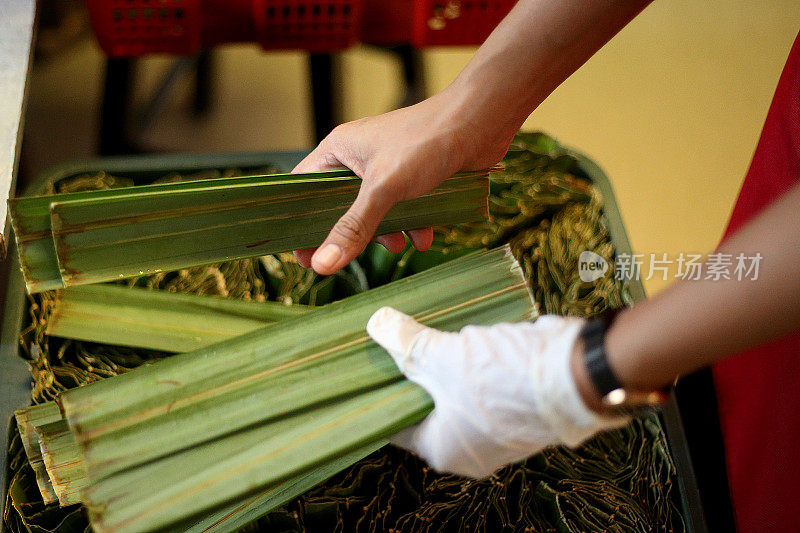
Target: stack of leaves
x=180, y=443
x=158, y=320
x=619, y=481
x=86, y=237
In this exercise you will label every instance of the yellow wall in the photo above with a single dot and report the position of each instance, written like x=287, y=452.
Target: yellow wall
x=671, y=109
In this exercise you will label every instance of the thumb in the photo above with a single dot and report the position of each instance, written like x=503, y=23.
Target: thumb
x=320, y=159
x=352, y=232
x=396, y=332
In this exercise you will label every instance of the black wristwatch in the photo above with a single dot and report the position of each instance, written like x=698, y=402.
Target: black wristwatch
x=614, y=396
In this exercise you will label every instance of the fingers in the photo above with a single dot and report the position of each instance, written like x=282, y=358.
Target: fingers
x=444, y=447
x=304, y=256
x=394, y=242
x=356, y=227
x=352, y=232
x=319, y=160
x=421, y=238
x=395, y=332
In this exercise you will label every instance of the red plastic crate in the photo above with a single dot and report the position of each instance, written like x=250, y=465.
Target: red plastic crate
x=388, y=22
x=126, y=28
x=457, y=22
x=432, y=22
x=129, y=28
x=317, y=25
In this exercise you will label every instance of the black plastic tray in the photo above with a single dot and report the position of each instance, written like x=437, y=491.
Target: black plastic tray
x=15, y=380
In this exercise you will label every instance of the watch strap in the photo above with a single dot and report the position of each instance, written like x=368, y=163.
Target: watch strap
x=593, y=336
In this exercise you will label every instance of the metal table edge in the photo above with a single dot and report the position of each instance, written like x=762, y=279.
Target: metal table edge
x=16, y=51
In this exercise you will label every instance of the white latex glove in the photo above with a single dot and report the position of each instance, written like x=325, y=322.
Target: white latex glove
x=500, y=393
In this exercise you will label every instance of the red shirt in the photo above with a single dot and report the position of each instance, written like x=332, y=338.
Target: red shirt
x=759, y=391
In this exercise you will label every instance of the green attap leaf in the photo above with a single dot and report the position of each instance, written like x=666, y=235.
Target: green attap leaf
x=27, y=421
x=127, y=232
x=30, y=217
x=62, y=459
x=185, y=435
x=546, y=204
x=158, y=320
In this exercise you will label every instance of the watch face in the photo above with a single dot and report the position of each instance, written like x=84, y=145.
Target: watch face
x=619, y=401
x=615, y=397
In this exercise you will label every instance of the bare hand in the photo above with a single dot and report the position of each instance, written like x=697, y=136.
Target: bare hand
x=399, y=155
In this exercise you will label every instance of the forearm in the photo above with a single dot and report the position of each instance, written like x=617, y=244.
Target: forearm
x=694, y=323
x=538, y=45
x=407, y=152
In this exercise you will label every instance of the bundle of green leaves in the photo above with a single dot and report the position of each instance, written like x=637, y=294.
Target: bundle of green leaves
x=544, y=208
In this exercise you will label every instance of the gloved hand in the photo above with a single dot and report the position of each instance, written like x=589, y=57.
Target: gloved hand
x=500, y=393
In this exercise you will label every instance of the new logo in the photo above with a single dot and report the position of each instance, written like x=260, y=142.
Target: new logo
x=591, y=266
